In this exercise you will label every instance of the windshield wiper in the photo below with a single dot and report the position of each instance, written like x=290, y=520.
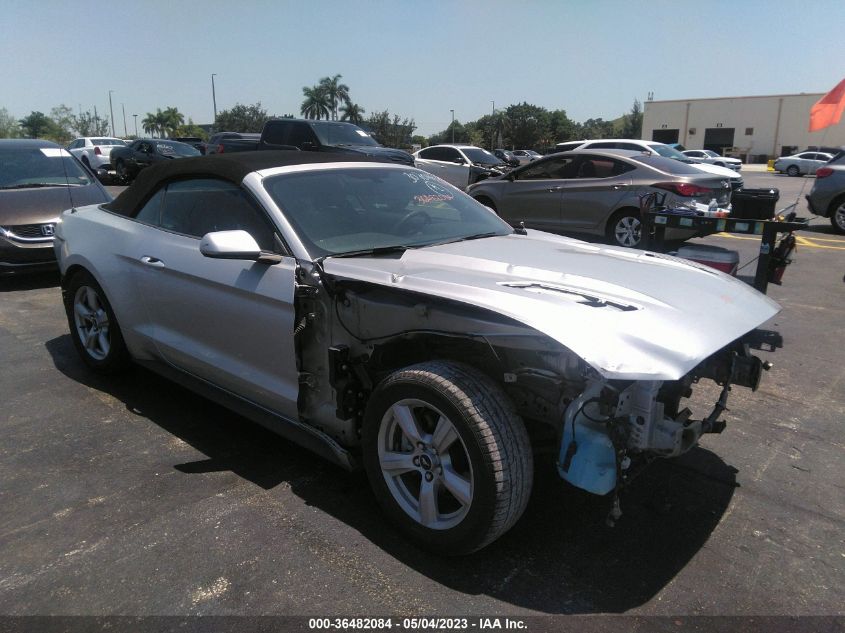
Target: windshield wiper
x=378, y=250
x=37, y=185
x=467, y=238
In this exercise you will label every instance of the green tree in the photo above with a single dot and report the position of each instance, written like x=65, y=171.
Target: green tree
x=316, y=104
x=528, y=125
x=561, y=127
x=335, y=93
x=242, y=118
x=392, y=131
x=9, y=126
x=172, y=120
x=353, y=113
x=632, y=125
x=149, y=123
x=595, y=128
x=64, y=124
x=191, y=129
x=87, y=124
x=36, y=125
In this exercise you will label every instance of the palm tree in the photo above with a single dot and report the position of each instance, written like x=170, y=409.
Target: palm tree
x=353, y=113
x=500, y=126
x=316, y=104
x=172, y=119
x=150, y=123
x=336, y=93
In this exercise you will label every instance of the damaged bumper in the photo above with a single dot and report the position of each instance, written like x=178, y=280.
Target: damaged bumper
x=610, y=423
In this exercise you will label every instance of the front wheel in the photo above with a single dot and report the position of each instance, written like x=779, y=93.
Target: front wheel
x=122, y=172
x=447, y=456
x=625, y=228
x=93, y=326
x=793, y=170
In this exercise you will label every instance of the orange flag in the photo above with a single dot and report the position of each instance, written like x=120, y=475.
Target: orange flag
x=828, y=109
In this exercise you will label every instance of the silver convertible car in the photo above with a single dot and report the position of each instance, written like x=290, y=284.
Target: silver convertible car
x=382, y=318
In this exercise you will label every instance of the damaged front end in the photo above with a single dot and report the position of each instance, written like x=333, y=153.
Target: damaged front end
x=612, y=424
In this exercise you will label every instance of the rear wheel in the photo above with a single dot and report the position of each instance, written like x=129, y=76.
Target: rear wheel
x=625, y=228
x=93, y=326
x=447, y=456
x=793, y=170
x=837, y=217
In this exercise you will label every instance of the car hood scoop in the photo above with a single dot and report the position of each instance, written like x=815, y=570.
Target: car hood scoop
x=630, y=314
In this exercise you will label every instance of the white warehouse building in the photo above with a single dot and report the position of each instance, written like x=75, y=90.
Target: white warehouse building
x=751, y=128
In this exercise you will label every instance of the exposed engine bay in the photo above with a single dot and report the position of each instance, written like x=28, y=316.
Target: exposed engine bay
x=353, y=333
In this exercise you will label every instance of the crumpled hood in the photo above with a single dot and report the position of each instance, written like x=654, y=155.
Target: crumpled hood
x=630, y=314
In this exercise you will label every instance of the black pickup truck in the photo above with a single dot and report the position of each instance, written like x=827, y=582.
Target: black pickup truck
x=309, y=135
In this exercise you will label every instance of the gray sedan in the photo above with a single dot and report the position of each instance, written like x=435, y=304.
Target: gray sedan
x=596, y=192
x=803, y=163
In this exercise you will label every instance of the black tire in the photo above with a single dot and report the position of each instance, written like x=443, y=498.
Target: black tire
x=629, y=218
x=111, y=357
x=487, y=202
x=793, y=170
x=837, y=215
x=123, y=175
x=493, y=441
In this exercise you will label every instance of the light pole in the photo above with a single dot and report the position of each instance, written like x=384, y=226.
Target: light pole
x=136, y=125
x=453, y=126
x=214, y=99
x=111, y=109
x=125, y=133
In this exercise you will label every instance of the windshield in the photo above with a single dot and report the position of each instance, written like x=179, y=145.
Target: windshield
x=481, y=156
x=32, y=167
x=711, y=154
x=107, y=141
x=345, y=210
x=668, y=152
x=174, y=148
x=341, y=134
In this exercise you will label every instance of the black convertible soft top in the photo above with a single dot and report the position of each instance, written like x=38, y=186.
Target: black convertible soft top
x=232, y=167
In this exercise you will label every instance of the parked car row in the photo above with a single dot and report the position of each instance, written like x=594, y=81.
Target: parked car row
x=396, y=324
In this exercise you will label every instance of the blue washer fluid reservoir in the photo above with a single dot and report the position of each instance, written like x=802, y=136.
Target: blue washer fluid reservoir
x=591, y=463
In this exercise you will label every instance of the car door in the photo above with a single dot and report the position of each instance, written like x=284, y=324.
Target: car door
x=229, y=322
x=534, y=194
x=442, y=162
x=599, y=186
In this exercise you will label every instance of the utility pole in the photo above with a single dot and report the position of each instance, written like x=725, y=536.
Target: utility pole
x=125, y=133
x=214, y=99
x=493, y=134
x=453, y=126
x=136, y=125
x=111, y=109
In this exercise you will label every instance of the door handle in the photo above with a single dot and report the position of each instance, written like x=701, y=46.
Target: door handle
x=618, y=187
x=554, y=189
x=155, y=262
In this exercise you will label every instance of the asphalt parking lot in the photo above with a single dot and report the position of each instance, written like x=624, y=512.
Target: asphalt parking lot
x=133, y=496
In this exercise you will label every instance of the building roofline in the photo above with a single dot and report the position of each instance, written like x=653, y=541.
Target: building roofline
x=794, y=94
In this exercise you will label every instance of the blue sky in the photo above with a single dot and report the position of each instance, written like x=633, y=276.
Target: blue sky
x=415, y=58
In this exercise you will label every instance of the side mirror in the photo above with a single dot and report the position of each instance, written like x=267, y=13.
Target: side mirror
x=459, y=160
x=308, y=146
x=230, y=245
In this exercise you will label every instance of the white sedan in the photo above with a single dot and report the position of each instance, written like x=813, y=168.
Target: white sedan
x=712, y=158
x=94, y=151
x=803, y=163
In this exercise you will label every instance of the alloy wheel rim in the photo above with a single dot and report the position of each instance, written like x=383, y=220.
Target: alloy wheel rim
x=425, y=464
x=91, y=322
x=839, y=216
x=628, y=231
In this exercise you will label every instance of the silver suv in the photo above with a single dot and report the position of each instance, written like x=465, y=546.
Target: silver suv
x=827, y=197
